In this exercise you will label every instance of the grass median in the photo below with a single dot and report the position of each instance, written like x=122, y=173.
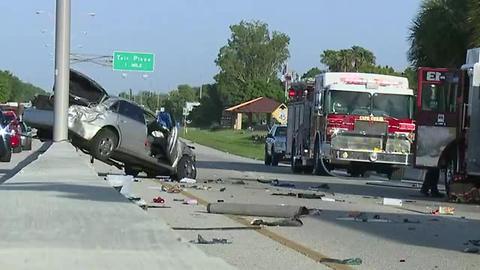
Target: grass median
x=238, y=142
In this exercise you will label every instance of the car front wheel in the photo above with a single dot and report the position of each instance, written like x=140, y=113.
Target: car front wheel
x=186, y=168
x=103, y=144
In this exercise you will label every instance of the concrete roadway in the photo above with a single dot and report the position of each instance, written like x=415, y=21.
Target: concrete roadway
x=19, y=160
x=425, y=242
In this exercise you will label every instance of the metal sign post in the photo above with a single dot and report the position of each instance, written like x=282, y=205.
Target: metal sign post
x=62, y=70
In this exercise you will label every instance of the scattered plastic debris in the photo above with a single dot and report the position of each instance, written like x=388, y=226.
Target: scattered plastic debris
x=262, y=210
x=171, y=189
x=220, y=201
x=203, y=241
x=444, y=210
x=188, y=181
x=290, y=194
x=300, y=195
x=190, y=202
x=158, y=200
x=325, y=199
x=402, y=260
x=222, y=189
x=293, y=222
x=178, y=200
x=392, y=202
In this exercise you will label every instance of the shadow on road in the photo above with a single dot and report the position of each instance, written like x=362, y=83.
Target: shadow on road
x=29, y=159
x=441, y=232
x=71, y=191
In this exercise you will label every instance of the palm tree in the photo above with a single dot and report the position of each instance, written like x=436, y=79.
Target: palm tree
x=442, y=32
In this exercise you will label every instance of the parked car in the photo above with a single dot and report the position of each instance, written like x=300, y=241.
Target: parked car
x=275, y=145
x=5, y=145
x=26, y=136
x=116, y=131
x=15, y=130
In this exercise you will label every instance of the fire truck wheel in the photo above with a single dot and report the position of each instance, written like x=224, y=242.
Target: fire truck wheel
x=318, y=167
x=293, y=163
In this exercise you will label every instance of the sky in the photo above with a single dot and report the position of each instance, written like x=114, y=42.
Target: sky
x=186, y=35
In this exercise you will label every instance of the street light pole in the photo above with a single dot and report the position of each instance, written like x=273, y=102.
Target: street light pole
x=62, y=70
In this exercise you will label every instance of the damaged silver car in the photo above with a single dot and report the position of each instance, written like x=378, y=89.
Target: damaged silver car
x=116, y=131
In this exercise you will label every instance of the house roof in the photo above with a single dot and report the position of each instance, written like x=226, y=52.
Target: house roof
x=257, y=105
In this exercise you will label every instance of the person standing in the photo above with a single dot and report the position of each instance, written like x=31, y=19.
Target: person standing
x=430, y=183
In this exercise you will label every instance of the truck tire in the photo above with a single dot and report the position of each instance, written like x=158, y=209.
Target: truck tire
x=7, y=157
x=318, y=168
x=17, y=149
x=268, y=158
x=103, y=144
x=293, y=164
x=275, y=158
x=28, y=146
x=396, y=174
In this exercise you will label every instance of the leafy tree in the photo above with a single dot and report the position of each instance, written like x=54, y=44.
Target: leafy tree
x=311, y=73
x=347, y=60
x=210, y=109
x=250, y=62
x=442, y=32
x=14, y=89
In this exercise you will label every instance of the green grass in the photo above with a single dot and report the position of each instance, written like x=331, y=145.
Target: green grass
x=236, y=142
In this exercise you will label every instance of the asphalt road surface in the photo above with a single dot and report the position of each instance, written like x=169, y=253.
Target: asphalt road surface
x=383, y=237
x=19, y=160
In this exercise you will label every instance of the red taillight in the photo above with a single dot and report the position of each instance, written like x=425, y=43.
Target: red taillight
x=291, y=93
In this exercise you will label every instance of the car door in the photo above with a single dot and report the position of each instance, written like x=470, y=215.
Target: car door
x=133, y=129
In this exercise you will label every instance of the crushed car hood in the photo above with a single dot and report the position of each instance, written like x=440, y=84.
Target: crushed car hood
x=84, y=90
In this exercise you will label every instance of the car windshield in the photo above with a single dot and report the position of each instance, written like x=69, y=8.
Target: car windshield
x=398, y=106
x=348, y=102
x=281, y=131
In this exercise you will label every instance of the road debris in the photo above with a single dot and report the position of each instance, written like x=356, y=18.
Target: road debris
x=222, y=189
x=171, y=189
x=239, y=182
x=215, y=228
x=220, y=201
x=392, y=202
x=350, y=261
x=188, y=180
x=444, y=210
x=322, y=186
x=203, y=241
x=277, y=183
x=406, y=220
x=292, y=222
x=474, y=242
x=281, y=211
x=158, y=200
x=190, y=202
x=300, y=195
x=363, y=217
x=471, y=250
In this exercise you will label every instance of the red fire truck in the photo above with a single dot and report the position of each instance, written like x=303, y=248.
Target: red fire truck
x=355, y=121
x=448, y=126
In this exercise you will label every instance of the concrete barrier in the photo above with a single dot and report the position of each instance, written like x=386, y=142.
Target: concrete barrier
x=57, y=214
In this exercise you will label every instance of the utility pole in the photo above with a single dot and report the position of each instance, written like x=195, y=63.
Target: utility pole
x=62, y=70
x=158, y=100
x=130, y=93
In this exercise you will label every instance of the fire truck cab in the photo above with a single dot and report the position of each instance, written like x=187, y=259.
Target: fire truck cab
x=448, y=126
x=355, y=121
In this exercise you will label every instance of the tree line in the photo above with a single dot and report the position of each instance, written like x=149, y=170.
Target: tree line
x=251, y=61
x=12, y=89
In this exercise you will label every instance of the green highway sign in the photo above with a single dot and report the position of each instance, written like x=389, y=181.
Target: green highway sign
x=133, y=61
